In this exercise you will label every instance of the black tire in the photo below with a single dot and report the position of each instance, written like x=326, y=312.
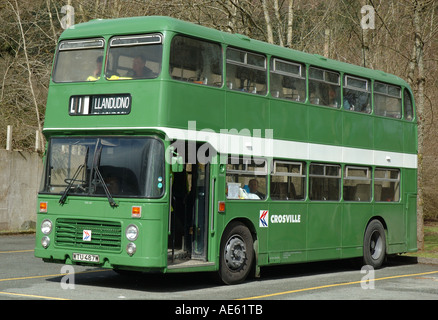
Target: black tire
x=236, y=254
x=374, y=244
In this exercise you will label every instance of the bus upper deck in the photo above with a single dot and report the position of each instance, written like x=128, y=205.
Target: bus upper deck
x=221, y=81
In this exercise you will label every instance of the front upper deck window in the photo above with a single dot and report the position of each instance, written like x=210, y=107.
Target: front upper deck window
x=134, y=57
x=78, y=60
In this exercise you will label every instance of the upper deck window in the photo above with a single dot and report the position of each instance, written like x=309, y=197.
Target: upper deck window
x=357, y=94
x=134, y=57
x=408, y=107
x=387, y=100
x=288, y=80
x=246, y=71
x=78, y=60
x=196, y=61
x=324, y=87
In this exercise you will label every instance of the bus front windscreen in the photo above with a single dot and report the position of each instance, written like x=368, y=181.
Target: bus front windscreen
x=125, y=167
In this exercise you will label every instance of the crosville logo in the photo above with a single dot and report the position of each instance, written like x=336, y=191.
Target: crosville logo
x=286, y=218
x=86, y=235
x=264, y=218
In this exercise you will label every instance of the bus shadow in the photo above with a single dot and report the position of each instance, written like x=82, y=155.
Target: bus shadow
x=180, y=282
x=151, y=282
x=326, y=267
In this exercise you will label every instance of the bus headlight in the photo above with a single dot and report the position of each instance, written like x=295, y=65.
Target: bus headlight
x=131, y=232
x=131, y=248
x=45, y=242
x=46, y=226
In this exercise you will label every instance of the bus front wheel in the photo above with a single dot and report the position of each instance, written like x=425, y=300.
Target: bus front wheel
x=236, y=254
x=374, y=245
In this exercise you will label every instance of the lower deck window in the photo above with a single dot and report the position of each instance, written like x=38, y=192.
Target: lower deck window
x=357, y=184
x=387, y=185
x=324, y=182
x=246, y=179
x=288, y=181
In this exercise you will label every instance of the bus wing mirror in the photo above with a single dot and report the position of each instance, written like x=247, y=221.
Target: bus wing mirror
x=177, y=163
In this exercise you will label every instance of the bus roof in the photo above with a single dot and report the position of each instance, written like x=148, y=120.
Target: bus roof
x=146, y=24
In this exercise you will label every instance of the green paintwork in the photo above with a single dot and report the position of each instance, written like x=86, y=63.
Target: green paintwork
x=327, y=230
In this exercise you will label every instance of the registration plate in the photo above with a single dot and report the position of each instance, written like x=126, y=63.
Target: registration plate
x=85, y=257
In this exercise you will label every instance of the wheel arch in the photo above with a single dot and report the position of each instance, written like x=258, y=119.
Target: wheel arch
x=245, y=221
x=379, y=218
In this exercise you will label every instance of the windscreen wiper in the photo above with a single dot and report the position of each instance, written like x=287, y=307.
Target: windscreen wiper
x=111, y=201
x=70, y=184
x=96, y=164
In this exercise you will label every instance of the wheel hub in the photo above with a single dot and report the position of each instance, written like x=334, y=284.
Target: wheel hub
x=376, y=246
x=235, y=252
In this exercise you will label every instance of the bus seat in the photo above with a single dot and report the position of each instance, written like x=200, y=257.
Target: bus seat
x=362, y=192
x=377, y=192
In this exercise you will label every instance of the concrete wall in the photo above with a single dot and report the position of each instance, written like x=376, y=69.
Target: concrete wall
x=20, y=175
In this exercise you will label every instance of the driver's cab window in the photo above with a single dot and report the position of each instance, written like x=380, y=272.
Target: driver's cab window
x=134, y=57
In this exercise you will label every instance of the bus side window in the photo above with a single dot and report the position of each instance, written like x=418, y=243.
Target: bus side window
x=196, y=61
x=357, y=183
x=246, y=178
x=246, y=71
x=324, y=182
x=387, y=100
x=408, y=107
x=288, y=80
x=324, y=87
x=357, y=94
x=288, y=180
x=386, y=185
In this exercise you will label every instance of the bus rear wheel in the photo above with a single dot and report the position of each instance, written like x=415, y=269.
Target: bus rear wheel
x=236, y=254
x=374, y=244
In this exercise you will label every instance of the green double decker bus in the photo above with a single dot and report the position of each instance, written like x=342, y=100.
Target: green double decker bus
x=172, y=147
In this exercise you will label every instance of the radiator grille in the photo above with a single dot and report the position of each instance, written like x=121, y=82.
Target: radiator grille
x=105, y=235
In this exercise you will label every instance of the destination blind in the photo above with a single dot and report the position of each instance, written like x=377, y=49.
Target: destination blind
x=100, y=104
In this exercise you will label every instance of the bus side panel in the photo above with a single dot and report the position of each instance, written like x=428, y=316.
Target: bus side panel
x=325, y=125
x=354, y=221
x=410, y=137
x=323, y=237
x=411, y=213
x=388, y=134
x=289, y=120
x=246, y=111
x=287, y=225
x=410, y=198
x=357, y=130
x=393, y=215
x=193, y=102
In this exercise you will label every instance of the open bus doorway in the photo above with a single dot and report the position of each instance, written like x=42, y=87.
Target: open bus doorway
x=189, y=214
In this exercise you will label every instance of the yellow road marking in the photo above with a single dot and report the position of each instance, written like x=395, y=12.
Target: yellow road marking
x=51, y=275
x=42, y=276
x=335, y=285
x=15, y=251
x=31, y=296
